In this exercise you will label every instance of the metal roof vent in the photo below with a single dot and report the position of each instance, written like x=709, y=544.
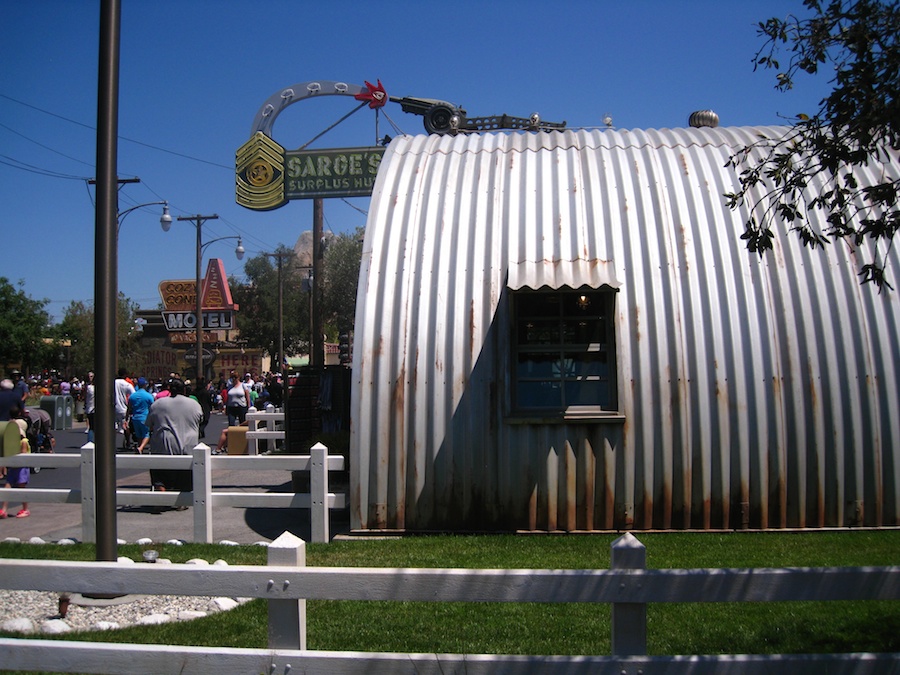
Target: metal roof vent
x=703, y=118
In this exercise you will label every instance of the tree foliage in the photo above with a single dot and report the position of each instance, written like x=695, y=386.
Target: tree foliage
x=341, y=270
x=24, y=323
x=257, y=319
x=258, y=296
x=814, y=166
x=77, y=327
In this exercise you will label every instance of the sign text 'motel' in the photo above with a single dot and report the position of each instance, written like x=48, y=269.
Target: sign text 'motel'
x=216, y=320
x=179, y=298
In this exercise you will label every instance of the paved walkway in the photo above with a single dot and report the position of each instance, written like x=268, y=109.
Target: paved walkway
x=53, y=522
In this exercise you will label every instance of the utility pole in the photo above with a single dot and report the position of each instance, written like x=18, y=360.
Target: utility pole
x=120, y=181
x=317, y=346
x=106, y=264
x=280, y=356
x=198, y=221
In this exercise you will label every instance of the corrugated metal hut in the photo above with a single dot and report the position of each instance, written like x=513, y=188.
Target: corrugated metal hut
x=564, y=331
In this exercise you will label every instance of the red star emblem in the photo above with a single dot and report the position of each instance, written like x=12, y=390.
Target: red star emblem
x=376, y=96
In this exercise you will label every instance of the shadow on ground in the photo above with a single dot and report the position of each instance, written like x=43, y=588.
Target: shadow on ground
x=271, y=523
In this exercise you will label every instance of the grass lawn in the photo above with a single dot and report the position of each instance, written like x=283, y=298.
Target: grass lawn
x=759, y=628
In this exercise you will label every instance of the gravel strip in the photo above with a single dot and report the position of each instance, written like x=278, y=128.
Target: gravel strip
x=39, y=611
x=40, y=607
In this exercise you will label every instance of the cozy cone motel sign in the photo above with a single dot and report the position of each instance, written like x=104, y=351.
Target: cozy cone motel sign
x=180, y=301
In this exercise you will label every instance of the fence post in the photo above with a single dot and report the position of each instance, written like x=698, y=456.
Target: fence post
x=270, y=426
x=252, y=425
x=629, y=619
x=318, y=493
x=88, y=494
x=287, y=618
x=202, y=474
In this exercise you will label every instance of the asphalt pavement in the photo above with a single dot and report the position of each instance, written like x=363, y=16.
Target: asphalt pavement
x=52, y=522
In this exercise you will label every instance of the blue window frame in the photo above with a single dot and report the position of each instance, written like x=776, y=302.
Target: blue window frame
x=564, y=351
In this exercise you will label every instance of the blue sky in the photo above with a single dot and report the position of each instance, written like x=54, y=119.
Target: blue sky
x=194, y=73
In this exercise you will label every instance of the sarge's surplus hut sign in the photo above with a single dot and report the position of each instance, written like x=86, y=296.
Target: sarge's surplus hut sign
x=342, y=172
x=267, y=176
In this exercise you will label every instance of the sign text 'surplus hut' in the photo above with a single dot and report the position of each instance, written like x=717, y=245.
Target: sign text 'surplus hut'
x=564, y=331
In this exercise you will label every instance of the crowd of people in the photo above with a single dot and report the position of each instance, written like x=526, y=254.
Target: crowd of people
x=48, y=383
x=164, y=417
x=264, y=388
x=231, y=395
x=170, y=417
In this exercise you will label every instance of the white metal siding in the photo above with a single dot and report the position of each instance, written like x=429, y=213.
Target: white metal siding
x=754, y=393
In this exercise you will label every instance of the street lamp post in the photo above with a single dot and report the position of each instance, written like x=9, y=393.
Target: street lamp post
x=197, y=222
x=106, y=290
x=280, y=257
x=105, y=279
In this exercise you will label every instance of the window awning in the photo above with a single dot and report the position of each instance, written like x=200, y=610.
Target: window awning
x=556, y=274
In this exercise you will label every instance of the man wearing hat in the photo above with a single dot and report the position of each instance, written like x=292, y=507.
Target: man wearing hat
x=139, y=407
x=20, y=385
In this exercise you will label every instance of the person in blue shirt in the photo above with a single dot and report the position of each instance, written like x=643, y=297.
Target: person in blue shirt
x=20, y=385
x=139, y=407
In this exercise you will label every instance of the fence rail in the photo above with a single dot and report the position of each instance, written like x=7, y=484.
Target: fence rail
x=264, y=426
x=203, y=499
x=286, y=583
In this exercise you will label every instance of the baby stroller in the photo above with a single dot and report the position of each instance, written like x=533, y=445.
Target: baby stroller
x=40, y=437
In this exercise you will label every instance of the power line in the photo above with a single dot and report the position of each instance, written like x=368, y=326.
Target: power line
x=353, y=206
x=47, y=112
x=124, y=138
x=45, y=147
x=177, y=154
x=46, y=172
x=22, y=166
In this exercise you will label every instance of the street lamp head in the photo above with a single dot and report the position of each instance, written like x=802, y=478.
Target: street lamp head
x=165, y=220
x=239, y=251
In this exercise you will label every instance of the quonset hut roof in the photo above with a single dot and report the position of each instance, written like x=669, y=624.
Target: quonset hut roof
x=760, y=393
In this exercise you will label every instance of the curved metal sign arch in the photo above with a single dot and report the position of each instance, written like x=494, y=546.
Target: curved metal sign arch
x=267, y=176
x=302, y=91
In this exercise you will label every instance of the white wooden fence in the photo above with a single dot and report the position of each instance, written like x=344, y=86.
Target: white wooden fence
x=286, y=583
x=265, y=426
x=204, y=499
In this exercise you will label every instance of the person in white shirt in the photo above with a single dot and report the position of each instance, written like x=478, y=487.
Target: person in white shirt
x=123, y=391
x=89, y=405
